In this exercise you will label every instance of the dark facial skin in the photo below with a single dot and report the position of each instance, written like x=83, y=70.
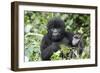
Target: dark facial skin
x=56, y=33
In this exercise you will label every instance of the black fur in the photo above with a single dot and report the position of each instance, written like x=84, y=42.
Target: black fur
x=49, y=45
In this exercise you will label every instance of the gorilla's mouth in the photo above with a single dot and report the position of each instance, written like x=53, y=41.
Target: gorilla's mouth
x=55, y=34
x=57, y=38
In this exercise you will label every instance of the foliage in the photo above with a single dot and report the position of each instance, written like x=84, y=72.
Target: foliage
x=35, y=28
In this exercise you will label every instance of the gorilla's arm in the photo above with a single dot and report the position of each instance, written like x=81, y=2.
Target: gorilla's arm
x=81, y=46
x=48, y=48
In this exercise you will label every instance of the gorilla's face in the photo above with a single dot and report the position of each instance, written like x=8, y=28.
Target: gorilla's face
x=56, y=29
x=56, y=33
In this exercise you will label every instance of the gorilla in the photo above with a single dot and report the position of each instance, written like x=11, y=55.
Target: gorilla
x=55, y=36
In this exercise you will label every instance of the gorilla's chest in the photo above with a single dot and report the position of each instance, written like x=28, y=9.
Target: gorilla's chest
x=64, y=41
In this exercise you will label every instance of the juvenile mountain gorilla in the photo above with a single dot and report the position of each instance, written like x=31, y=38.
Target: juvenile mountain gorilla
x=55, y=36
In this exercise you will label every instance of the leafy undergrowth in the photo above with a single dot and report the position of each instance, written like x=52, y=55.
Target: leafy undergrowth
x=35, y=29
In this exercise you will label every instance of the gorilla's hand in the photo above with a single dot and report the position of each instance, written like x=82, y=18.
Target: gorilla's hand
x=55, y=46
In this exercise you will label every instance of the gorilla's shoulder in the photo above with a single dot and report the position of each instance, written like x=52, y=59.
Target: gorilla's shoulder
x=69, y=35
x=45, y=37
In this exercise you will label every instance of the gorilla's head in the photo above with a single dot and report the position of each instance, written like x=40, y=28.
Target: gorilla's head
x=56, y=29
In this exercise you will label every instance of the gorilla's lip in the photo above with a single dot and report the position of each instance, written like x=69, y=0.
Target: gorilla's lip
x=57, y=38
x=55, y=34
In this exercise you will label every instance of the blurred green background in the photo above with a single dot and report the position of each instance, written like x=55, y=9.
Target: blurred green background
x=35, y=23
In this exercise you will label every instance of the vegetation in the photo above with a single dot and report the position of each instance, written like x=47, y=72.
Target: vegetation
x=35, y=29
